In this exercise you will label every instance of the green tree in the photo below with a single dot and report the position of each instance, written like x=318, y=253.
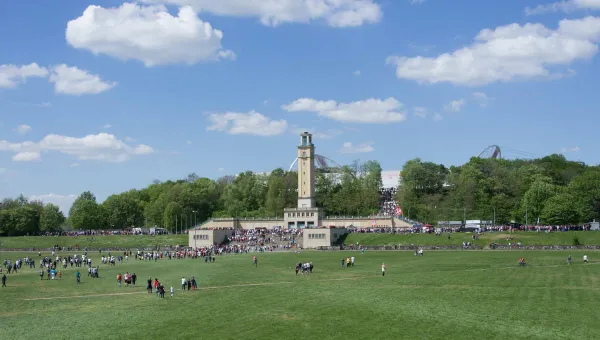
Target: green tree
x=51, y=219
x=85, y=213
x=560, y=209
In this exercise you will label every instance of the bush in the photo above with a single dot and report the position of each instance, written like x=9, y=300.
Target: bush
x=576, y=241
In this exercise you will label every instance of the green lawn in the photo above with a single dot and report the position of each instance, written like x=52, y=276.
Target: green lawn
x=135, y=242
x=442, y=295
x=526, y=238
x=104, y=242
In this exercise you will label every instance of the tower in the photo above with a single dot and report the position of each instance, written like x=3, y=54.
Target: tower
x=306, y=172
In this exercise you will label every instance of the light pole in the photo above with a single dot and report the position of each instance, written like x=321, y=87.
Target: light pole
x=195, y=224
x=494, y=220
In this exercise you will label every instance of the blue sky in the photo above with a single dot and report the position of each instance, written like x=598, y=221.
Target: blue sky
x=111, y=97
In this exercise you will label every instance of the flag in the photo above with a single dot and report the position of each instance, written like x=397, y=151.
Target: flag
x=398, y=211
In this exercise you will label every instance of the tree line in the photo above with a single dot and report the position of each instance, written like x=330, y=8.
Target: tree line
x=181, y=204
x=551, y=190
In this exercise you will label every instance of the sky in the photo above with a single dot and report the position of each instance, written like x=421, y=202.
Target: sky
x=113, y=96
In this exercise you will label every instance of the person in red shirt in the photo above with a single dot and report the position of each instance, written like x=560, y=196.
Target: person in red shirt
x=255, y=261
x=119, y=279
x=522, y=261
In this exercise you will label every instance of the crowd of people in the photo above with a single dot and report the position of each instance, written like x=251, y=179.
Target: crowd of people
x=387, y=205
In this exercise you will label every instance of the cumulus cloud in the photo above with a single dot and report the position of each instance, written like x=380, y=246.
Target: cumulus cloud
x=336, y=13
x=365, y=111
x=570, y=150
x=251, y=123
x=100, y=147
x=437, y=117
x=507, y=53
x=74, y=81
x=481, y=98
x=13, y=75
x=23, y=129
x=420, y=111
x=566, y=6
x=64, y=202
x=455, y=105
x=27, y=156
x=149, y=34
x=349, y=148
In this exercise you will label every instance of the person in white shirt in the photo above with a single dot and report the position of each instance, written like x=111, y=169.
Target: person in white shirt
x=172, y=291
x=352, y=261
x=585, y=258
x=383, y=269
x=183, y=283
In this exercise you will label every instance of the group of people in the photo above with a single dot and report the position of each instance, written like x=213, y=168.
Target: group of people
x=348, y=262
x=129, y=279
x=304, y=268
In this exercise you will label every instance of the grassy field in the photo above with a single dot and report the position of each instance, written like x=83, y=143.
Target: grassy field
x=526, y=238
x=96, y=242
x=456, y=239
x=442, y=295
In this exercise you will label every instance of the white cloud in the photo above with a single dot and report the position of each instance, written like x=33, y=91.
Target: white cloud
x=570, y=150
x=74, y=81
x=63, y=201
x=149, y=34
x=13, y=75
x=481, y=98
x=455, y=105
x=73, y=165
x=129, y=139
x=437, y=117
x=100, y=147
x=356, y=73
x=251, y=123
x=220, y=169
x=349, y=148
x=507, y=53
x=420, y=111
x=188, y=142
x=566, y=6
x=106, y=126
x=266, y=102
x=23, y=129
x=417, y=2
x=365, y=111
x=27, y=156
x=336, y=13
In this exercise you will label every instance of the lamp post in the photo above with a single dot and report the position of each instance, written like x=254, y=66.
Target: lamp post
x=195, y=224
x=494, y=219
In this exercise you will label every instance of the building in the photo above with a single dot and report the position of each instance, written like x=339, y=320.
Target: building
x=322, y=237
x=306, y=215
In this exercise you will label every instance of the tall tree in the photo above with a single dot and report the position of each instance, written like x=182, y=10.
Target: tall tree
x=85, y=213
x=51, y=219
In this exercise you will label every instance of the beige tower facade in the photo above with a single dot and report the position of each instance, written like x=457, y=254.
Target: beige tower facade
x=306, y=172
x=306, y=215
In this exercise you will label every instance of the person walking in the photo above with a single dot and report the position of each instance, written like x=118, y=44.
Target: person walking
x=78, y=277
x=119, y=279
x=383, y=269
x=3, y=280
x=183, y=283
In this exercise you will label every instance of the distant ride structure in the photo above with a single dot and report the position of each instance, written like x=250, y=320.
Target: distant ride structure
x=491, y=152
x=322, y=164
